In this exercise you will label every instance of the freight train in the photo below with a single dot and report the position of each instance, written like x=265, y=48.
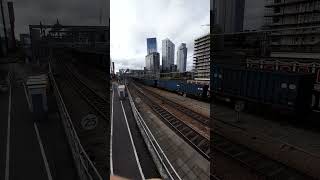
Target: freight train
x=241, y=86
x=280, y=90
x=199, y=91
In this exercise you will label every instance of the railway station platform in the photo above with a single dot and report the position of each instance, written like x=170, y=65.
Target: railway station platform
x=130, y=156
x=30, y=149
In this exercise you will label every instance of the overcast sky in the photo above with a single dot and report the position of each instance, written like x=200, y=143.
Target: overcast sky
x=132, y=21
x=69, y=12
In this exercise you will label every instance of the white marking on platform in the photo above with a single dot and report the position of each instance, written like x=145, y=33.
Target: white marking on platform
x=133, y=146
x=43, y=152
x=7, y=169
x=111, y=132
x=27, y=96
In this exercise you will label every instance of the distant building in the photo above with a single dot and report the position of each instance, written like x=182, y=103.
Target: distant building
x=294, y=25
x=5, y=28
x=83, y=39
x=182, y=58
x=151, y=45
x=136, y=73
x=25, y=40
x=229, y=15
x=153, y=62
x=173, y=68
x=253, y=15
x=12, y=26
x=201, y=57
x=168, y=49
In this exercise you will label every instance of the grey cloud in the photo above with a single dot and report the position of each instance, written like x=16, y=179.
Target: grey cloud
x=69, y=12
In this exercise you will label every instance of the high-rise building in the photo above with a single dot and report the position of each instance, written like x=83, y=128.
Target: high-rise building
x=12, y=26
x=5, y=30
x=168, y=49
x=201, y=57
x=229, y=15
x=182, y=58
x=153, y=62
x=253, y=15
x=294, y=25
x=151, y=45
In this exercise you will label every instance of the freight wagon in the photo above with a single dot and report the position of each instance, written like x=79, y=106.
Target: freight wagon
x=199, y=91
x=195, y=90
x=170, y=85
x=291, y=91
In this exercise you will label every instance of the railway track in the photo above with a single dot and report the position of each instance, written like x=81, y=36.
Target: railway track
x=194, y=115
x=200, y=118
x=99, y=103
x=197, y=141
x=257, y=163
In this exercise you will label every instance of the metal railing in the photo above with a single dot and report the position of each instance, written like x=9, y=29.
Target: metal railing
x=85, y=168
x=164, y=166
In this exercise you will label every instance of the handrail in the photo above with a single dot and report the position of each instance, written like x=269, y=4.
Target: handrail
x=85, y=168
x=159, y=156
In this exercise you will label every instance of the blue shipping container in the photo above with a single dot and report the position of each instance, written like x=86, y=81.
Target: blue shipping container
x=191, y=89
x=290, y=90
x=170, y=85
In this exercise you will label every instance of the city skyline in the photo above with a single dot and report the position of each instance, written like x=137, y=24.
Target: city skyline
x=180, y=21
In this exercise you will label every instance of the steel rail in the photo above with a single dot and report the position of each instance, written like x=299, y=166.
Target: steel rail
x=170, y=172
x=192, y=137
x=256, y=162
x=85, y=168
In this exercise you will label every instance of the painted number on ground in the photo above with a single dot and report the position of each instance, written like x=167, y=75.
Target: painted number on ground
x=89, y=122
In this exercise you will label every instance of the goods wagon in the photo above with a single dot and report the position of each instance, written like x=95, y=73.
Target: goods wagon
x=292, y=91
x=179, y=86
x=196, y=90
x=149, y=82
x=170, y=85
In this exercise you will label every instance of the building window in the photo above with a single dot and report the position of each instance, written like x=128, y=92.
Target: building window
x=276, y=20
x=276, y=10
x=277, y=1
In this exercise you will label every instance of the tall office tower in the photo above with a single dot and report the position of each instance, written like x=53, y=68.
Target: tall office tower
x=294, y=26
x=201, y=57
x=253, y=15
x=167, y=54
x=182, y=58
x=229, y=15
x=12, y=26
x=5, y=29
x=151, y=45
x=153, y=62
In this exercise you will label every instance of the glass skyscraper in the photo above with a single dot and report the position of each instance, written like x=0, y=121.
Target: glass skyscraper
x=151, y=45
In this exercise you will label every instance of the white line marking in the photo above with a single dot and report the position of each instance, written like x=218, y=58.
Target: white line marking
x=43, y=152
x=133, y=146
x=27, y=97
x=7, y=169
x=111, y=132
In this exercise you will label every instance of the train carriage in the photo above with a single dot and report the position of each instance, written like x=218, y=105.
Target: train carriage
x=195, y=90
x=291, y=91
x=170, y=85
